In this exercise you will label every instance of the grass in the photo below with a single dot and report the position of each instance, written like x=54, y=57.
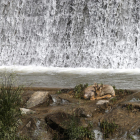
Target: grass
x=79, y=90
x=108, y=128
x=75, y=132
x=59, y=92
x=130, y=107
x=10, y=101
x=72, y=130
x=120, y=94
x=130, y=137
x=113, y=100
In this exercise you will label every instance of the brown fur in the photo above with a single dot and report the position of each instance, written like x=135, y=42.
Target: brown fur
x=98, y=91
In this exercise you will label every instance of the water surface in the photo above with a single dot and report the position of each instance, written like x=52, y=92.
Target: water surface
x=55, y=77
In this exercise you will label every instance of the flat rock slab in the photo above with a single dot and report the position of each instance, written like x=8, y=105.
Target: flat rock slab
x=37, y=98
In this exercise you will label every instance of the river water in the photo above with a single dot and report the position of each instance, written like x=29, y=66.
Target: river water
x=55, y=77
x=62, y=43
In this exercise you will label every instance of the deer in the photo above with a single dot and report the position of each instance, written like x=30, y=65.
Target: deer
x=99, y=91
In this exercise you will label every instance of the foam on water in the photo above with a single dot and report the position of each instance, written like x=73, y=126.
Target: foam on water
x=81, y=70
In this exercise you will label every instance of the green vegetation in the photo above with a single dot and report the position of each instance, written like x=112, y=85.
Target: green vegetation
x=76, y=132
x=72, y=130
x=129, y=107
x=130, y=137
x=108, y=128
x=10, y=101
x=79, y=90
x=120, y=94
x=113, y=100
x=59, y=92
x=114, y=87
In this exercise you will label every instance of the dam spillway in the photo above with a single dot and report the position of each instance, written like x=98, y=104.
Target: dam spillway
x=55, y=36
x=70, y=33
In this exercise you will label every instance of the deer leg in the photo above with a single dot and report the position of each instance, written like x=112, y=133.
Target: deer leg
x=102, y=97
x=92, y=98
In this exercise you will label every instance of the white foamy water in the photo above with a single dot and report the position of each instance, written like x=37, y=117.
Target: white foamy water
x=55, y=77
x=70, y=33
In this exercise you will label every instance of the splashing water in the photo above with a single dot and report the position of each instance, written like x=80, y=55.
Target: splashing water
x=70, y=33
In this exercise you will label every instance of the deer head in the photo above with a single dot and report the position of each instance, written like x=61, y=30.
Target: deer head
x=98, y=89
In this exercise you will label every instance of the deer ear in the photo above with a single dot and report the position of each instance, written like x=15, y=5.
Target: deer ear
x=101, y=88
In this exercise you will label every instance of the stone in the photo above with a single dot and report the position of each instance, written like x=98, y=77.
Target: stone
x=133, y=100
x=100, y=102
x=58, y=101
x=26, y=111
x=80, y=112
x=38, y=98
x=34, y=128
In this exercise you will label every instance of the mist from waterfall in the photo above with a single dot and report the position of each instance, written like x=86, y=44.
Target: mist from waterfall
x=70, y=33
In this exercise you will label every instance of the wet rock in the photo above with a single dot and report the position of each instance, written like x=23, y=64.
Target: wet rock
x=80, y=112
x=58, y=100
x=57, y=120
x=34, y=128
x=26, y=111
x=59, y=123
x=98, y=135
x=39, y=98
x=27, y=128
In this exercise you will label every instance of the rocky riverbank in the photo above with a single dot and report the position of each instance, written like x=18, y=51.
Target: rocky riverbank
x=49, y=113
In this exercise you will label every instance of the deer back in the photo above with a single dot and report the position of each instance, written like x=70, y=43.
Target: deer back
x=107, y=89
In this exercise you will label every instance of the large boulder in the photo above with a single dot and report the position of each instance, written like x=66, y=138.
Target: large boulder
x=38, y=98
x=59, y=122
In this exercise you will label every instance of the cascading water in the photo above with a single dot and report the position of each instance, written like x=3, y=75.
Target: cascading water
x=89, y=40
x=70, y=33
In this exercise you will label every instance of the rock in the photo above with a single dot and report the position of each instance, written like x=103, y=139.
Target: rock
x=100, y=102
x=98, y=135
x=52, y=121
x=132, y=100
x=58, y=100
x=38, y=98
x=59, y=122
x=80, y=112
x=65, y=124
x=26, y=111
x=34, y=128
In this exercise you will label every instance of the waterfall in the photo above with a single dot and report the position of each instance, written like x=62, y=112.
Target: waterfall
x=70, y=33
